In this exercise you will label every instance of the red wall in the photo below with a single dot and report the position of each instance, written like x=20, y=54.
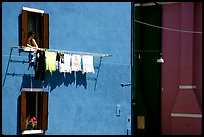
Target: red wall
x=182, y=53
x=198, y=53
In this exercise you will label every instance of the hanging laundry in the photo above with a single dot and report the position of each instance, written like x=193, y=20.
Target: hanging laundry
x=50, y=61
x=58, y=60
x=76, y=63
x=40, y=65
x=28, y=49
x=64, y=65
x=62, y=58
x=88, y=66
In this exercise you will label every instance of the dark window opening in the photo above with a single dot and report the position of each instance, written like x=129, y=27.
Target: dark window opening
x=34, y=25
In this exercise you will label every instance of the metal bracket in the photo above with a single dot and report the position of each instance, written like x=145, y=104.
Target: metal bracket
x=187, y=87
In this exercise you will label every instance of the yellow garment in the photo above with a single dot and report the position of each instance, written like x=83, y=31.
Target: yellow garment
x=50, y=61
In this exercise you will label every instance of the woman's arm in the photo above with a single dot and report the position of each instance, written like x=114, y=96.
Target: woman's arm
x=28, y=45
x=34, y=43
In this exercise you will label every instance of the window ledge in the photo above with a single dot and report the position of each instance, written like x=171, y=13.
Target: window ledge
x=32, y=132
x=33, y=10
x=32, y=89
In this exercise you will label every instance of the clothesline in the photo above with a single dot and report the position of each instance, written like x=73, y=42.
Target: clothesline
x=171, y=29
x=79, y=63
x=67, y=51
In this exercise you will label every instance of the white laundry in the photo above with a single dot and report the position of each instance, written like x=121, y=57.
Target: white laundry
x=88, y=66
x=76, y=63
x=64, y=65
x=28, y=49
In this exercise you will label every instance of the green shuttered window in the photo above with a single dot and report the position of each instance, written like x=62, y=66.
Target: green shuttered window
x=34, y=104
x=38, y=23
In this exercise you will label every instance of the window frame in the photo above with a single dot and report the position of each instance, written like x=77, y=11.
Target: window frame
x=43, y=27
x=43, y=107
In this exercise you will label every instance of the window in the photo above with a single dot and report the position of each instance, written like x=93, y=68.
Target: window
x=34, y=103
x=36, y=21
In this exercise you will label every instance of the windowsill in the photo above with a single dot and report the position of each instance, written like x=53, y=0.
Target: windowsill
x=32, y=89
x=32, y=132
x=28, y=49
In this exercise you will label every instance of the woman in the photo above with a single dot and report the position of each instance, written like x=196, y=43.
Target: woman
x=31, y=44
x=31, y=41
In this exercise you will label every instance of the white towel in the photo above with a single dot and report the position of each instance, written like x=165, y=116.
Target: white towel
x=64, y=65
x=76, y=63
x=88, y=66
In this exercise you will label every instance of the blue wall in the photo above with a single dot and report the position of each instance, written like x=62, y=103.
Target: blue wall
x=74, y=106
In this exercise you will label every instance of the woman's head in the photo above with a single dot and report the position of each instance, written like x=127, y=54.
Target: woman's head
x=31, y=34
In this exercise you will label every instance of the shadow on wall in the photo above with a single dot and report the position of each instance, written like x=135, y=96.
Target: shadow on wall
x=54, y=80
x=18, y=131
x=81, y=79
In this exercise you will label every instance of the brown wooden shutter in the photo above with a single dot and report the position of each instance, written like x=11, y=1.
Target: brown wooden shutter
x=44, y=119
x=23, y=110
x=45, y=31
x=24, y=28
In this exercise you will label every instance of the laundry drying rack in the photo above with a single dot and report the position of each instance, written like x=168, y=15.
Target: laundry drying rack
x=30, y=50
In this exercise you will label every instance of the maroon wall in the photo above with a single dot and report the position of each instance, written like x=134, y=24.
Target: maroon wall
x=182, y=70
x=198, y=53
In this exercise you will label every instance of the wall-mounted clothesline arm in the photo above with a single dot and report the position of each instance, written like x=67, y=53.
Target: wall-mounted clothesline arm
x=8, y=65
x=97, y=73
x=69, y=52
x=54, y=50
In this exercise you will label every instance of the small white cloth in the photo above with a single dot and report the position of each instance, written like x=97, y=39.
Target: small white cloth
x=28, y=49
x=64, y=65
x=76, y=63
x=88, y=66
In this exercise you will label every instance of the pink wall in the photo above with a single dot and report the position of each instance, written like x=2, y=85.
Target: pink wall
x=197, y=51
x=182, y=53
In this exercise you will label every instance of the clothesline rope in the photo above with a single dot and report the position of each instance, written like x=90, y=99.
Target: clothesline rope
x=165, y=28
x=67, y=51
